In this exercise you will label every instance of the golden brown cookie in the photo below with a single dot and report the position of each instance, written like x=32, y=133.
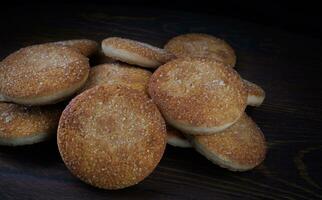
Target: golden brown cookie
x=241, y=147
x=118, y=74
x=42, y=74
x=198, y=96
x=134, y=52
x=202, y=45
x=256, y=94
x=84, y=46
x=111, y=137
x=22, y=125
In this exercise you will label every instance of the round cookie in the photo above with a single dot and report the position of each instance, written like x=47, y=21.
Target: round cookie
x=84, y=46
x=240, y=147
x=134, y=52
x=22, y=125
x=111, y=137
x=118, y=74
x=256, y=94
x=202, y=45
x=176, y=138
x=42, y=74
x=197, y=95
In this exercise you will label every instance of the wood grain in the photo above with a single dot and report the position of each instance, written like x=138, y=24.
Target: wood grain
x=287, y=66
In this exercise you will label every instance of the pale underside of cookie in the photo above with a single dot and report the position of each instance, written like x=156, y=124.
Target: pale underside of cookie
x=42, y=74
x=198, y=96
x=48, y=99
x=240, y=147
x=197, y=130
x=25, y=140
x=256, y=94
x=118, y=74
x=134, y=52
x=176, y=138
x=84, y=46
x=21, y=125
x=111, y=137
x=202, y=45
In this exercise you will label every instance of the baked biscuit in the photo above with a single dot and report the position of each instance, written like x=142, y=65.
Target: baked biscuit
x=22, y=125
x=111, y=137
x=240, y=147
x=42, y=74
x=118, y=74
x=202, y=45
x=84, y=46
x=134, y=52
x=256, y=94
x=197, y=95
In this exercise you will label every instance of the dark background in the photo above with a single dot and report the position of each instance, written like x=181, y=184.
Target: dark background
x=295, y=16
x=302, y=17
x=280, y=50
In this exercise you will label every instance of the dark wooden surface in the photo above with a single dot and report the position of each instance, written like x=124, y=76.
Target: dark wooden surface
x=287, y=66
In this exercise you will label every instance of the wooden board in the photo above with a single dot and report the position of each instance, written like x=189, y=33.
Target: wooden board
x=287, y=66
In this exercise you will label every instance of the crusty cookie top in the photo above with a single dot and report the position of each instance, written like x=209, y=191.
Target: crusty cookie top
x=243, y=143
x=41, y=70
x=202, y=45
x=20, y=121
x=139, y=48
x=198, y=91
x=118, y=74
x=84, y=46
x=111, y=136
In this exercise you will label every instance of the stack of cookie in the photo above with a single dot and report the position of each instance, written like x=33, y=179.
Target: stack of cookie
x=119, y=117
